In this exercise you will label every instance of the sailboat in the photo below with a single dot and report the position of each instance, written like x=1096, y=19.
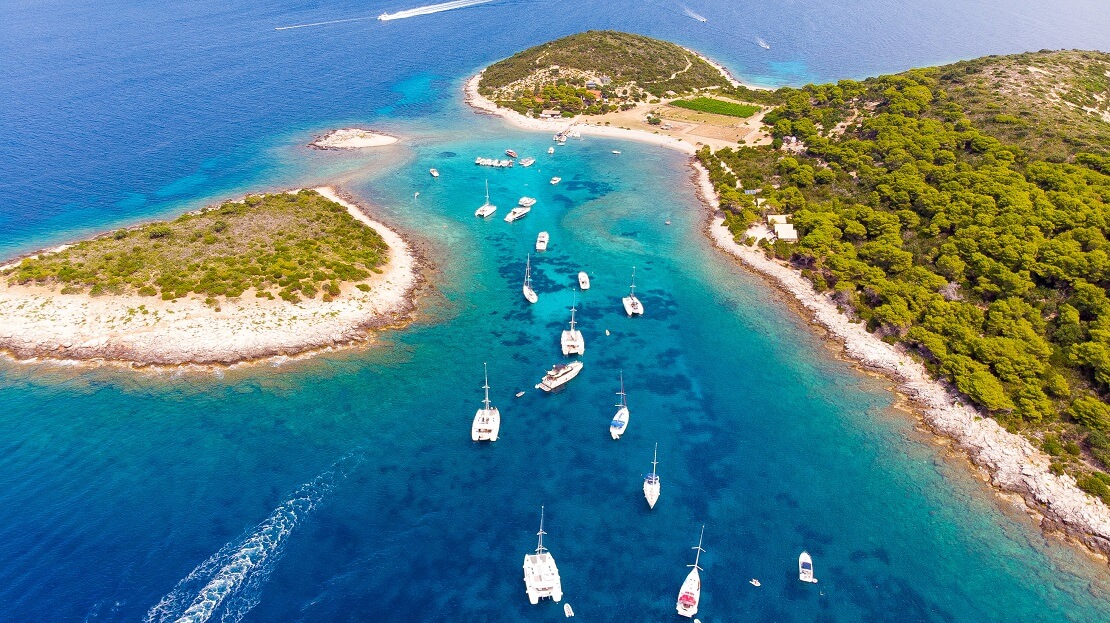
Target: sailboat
x=486, y=208
x=632, y=305
x=541, y=576
x=529, y=293
x=487, y=421
x=690, y=593
x=572, y=341
x=651, y=481
x=620, y=419
x=805, y=568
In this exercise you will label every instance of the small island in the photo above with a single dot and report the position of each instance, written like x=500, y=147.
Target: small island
x=352, y=138
x=620, y=84
x=271, y=274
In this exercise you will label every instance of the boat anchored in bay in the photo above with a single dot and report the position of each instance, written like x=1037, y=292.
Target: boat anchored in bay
x=487, y=421
x=527, y=162
x=486, y=208
x=620, y=419
x=651, y=481
x=805, y=568
x=690, y=593
x=632, y=305
x=542, y=240
x=583, y=280
x=560, y=374
x=529, y=294
x=572, y=341
x=541, y=575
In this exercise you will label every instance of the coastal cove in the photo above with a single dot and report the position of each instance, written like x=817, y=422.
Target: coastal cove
x=342, y=484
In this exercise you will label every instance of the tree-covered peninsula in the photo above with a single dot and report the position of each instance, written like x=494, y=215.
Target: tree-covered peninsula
x=963, y=211
x=595, y=72
x=293, y=246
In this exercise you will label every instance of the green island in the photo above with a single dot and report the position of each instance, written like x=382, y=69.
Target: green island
x=962, y=211
x=596, y=72
x=291, y=245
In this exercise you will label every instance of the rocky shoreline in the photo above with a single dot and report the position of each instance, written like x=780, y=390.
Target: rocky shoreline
x=351, y=138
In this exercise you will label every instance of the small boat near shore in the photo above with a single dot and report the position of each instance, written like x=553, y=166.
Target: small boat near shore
x=632, y=305
x=434, y=172
x=527, y=162
x=487, y=208
x=510, y=153
x=583, y=280
x=560, y=374
x=805, y=568
x=619, y=423
x=542, y=240
x=487, y=421
x=529, y=294
x=493, y=162
x=690, y=593
x=551, y=149
x=541, y=575
x=555, y=180
x=651, y=481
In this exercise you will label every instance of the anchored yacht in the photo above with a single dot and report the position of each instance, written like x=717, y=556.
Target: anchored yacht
x=510, y=153
x=632, y=305
x=690, y=593
x=487, y=421
x=651, y=481
x=555, y=180
x=583, y=281
x=527, y=162
x=529, y=293
x=434, y=172
x=541, y=576
x=620, y=419
x=560, y=374
x=517, y=213
x=542, y=240
x=486, y=208
x=805, y=568
x=572, y=341
x=526, y=202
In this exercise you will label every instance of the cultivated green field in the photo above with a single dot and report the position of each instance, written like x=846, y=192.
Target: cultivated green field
x=289, y=245
x=717, y=107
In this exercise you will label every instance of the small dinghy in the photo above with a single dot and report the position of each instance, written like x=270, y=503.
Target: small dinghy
x=567, y=610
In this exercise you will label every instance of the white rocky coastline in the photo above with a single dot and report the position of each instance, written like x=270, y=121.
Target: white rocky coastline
x=352, y=138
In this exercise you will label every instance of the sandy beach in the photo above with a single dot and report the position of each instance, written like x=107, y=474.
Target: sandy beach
x=352, y=138
x=42, y=324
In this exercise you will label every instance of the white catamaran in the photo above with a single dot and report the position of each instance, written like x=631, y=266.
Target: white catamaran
x=632, y=305
x=805, y=568
x=486, y=208
x=560, y=374
x=620, y=419
x=529, y=293
x=690, y=593
x=572, y=341
x=487, y=421
x=541, y=576
x=651, y=481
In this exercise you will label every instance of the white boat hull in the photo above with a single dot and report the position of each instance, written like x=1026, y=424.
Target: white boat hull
x=484, y=211
x=583, y=281
x=541, y=578
x=805, y=568
x=619, y=424
x=651, y=491
x=689, y=595
x=633, y=306
x=487, y=424
x=553, y=380
x=573, y=343
x=516, y=214
x=530, y=294
x=542, y=240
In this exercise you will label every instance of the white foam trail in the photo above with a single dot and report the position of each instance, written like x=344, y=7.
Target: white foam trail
x=231, y=579
x=334, y=21
x=431, y=8
x=691, y=13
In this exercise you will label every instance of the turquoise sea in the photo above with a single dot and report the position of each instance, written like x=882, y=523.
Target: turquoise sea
x=345, y=487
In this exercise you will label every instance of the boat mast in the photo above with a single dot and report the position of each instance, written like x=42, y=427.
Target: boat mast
x=632, y=288
x=654, y=462
x=487, y=192
x=528, y=271
x=700, y=550
x=539, y=546
x=573, y=302
x=623, y=403
x=486, y=386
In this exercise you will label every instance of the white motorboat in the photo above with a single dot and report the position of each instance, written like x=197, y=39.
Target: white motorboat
x=486, y=208
x=527, y=162
x=487, y=421
x=632, y=305
x=510, y=153
x=555, y=180
x=572, y=341
x=560, y=374
x=617, y=151
x=583, y=281
x=519, y=394
x=434, y=172
x=568, y=611
x=541, y=576
x=542, y=240
x=526, y=202
x=529, y=294
x=551, y=149
x=690, y=593
x=805, y=568
x=619, y=424
x=651, y=481
x=754, y=582
x=517, y=213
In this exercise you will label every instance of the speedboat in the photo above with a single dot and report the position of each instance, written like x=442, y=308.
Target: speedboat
x=690, y=593
x=434, y=172
x=805, y=568
x=560, y=374
x=529, y=294
x=617, y=151
x=526, y=202
x=572, y=341
x=651, y=481
x=487, y=421
x=551, y=149
x=555, y=180
x=541, y=241
x=517, y=213
x=486, y=208
x=510, y=153
x=755, y=582
x=541, y=575
x=583, y=281
x=620, y=419
x=632, y=305
x=527, y=162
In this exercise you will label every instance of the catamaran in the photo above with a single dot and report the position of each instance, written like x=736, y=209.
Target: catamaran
x=560, y=374
x=487, y=421
x=555, y=180
x=486, y=208
x=572, y=341
x=542, y=240
x=529, y=294
x=651, y=481
x=517, y=213
x=690, y=593
x=527, y=162
x=541, y=576
x=805, y=568
x=620, y=419
x=632, y=305
x=583, y=281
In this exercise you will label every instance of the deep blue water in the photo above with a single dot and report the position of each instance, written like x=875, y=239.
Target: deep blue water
x=345, y=488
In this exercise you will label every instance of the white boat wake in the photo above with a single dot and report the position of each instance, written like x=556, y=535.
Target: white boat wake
x=229, y=583
x=690, y=13
x=431, y=8
x=334, y=21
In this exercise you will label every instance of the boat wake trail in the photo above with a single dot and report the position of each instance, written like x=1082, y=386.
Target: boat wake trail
x=690, y=13
x=334, y=21
x=228, y=584
x=431, y=8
